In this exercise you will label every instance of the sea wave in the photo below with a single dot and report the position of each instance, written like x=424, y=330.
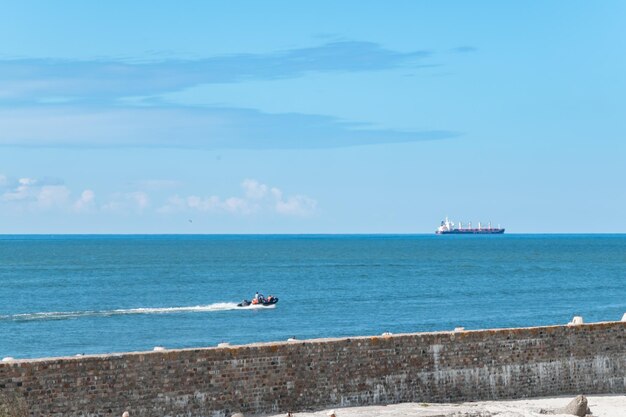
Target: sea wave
x=65, y=315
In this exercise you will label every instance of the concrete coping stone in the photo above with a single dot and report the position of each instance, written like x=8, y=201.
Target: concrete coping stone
x=452, y=333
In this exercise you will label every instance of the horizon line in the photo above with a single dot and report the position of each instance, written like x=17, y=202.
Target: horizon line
x=305, y=234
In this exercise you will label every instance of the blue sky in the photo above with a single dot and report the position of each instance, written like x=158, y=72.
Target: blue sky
x=316, y=117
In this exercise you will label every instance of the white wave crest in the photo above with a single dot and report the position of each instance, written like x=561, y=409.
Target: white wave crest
x=64, y=315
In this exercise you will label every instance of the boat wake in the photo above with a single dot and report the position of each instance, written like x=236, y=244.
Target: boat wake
x=65, y=315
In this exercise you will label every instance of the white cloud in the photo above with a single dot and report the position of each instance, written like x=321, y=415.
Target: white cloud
x=186, y=127
x=254, y=189
x=86, y=201
x=207, y=204
x=124, y=203
x=31, y=194
x=258, y=197
x=22, y=191
x=298, y=205
x=141, y=199
x=238, y=205
x=52, y=196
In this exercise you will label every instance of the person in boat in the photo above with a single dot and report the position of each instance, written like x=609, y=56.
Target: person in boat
x=261, y=299
x=269, y=298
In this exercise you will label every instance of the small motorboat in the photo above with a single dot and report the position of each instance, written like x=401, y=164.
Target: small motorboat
x=264, y=302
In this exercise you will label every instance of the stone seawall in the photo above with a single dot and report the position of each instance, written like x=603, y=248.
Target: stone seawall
x=277, y=377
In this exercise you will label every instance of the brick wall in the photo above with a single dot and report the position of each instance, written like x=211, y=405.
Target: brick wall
x=276, y=377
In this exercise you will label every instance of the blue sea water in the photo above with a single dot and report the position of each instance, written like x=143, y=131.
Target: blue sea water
x=64, y=295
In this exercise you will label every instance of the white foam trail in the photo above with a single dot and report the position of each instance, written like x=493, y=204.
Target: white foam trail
x=62, y=315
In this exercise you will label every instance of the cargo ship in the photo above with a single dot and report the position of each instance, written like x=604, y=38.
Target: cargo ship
x=449, y=228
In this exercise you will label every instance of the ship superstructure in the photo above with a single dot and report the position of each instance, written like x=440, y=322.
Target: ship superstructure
x=449, y=228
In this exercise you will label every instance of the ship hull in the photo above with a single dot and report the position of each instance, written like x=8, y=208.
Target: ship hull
x=471, y=232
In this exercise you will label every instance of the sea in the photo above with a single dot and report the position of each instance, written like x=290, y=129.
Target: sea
x=66, y=295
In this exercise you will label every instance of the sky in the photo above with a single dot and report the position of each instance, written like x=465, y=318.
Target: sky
x=312, y=117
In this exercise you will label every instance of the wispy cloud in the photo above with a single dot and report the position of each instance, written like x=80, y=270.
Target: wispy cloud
x=115, y=103
x=464, y=49
x=185, y=127
x=155, y=184
x=28, y=80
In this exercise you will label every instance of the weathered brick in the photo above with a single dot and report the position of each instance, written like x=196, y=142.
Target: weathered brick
x=276, y=377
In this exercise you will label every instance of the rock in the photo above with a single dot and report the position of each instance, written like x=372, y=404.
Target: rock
x=578, y=407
